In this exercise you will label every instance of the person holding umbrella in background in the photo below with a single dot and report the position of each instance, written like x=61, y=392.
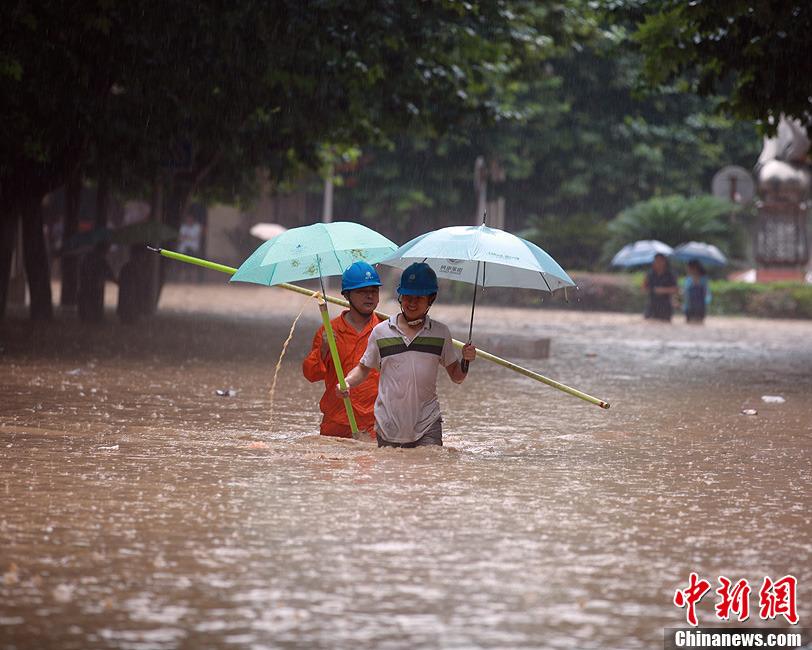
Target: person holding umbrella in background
x=360, y=287
x=408, y=350
x=695, y=288
x=697, y=292
x=660, y=283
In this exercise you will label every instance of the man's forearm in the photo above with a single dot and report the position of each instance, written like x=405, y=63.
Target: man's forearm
x=356, y=376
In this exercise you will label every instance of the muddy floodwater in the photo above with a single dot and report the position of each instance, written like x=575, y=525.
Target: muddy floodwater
x=136, y=513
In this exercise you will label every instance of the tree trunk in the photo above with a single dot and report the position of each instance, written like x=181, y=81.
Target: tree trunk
x=37, y=266
x=22, y=203
x=8, y=236
x=102, y=200
x=70, y=263
x=90, y=291
x=170, y=199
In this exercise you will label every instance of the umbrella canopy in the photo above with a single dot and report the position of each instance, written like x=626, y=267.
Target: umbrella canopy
x=266, y=231
x=483, y=256
x=641, y=252
x=144, y=232
x=82, y=242
x=308, y=252
x=707, y=254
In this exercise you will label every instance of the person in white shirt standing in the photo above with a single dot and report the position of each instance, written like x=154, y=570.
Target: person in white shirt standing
x=408, y=350
x=190, y=242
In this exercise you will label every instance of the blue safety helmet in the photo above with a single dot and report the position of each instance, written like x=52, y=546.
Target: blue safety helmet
x=418, y=279
x=359, y=275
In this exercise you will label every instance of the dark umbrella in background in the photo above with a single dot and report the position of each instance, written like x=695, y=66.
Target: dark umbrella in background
x=641, y=253
x=707, y=254
x=82, y=242
x=144, y=232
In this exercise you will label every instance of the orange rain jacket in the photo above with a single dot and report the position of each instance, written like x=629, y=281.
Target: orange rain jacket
x=351, y=347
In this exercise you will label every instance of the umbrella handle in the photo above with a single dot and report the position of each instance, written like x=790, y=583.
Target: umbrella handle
x=464, y=363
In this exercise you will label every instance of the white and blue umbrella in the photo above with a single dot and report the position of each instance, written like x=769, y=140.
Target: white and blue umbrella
x=641, y=252
x=483, y=256
x=707, y=254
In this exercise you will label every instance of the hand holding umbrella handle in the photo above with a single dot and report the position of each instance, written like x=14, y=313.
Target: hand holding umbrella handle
x=465, y=363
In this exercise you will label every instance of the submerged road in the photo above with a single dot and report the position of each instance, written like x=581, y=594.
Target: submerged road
x=135, y=514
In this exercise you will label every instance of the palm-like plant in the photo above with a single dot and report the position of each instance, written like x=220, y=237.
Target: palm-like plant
x=673, y=220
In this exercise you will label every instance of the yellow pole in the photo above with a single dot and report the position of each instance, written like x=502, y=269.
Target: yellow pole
x=336, y=361
x=338, y=301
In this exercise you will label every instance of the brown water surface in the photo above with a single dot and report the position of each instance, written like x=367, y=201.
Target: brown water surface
x=134, y=516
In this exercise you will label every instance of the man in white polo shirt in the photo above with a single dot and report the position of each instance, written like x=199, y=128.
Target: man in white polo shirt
x=409, y=349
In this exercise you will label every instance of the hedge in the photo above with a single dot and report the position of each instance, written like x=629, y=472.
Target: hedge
x=623, y=293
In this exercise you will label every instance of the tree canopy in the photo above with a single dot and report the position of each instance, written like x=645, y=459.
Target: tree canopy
x=585, y=150
x=203, y=93
x=254, y=83
x=756, y=53
x=196, y=96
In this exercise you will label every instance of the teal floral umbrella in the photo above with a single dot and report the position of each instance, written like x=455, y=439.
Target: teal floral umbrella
x=312, y=252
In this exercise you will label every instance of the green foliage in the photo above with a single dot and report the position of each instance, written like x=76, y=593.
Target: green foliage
x=421, y=87
x=583, y=149
x=755, y=53
x=574, y=242
x=673, y=220
x=779, y=300
x=730, y=297
x=623, y=293
x=111, y=86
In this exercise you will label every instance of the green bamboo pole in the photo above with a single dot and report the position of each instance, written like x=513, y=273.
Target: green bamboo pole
x=338, y=301
x=534, y=375
x=336, y=361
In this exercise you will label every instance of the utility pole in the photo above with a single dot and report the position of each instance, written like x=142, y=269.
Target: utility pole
x=327, y=209
x=484, y=172
x=481, y=188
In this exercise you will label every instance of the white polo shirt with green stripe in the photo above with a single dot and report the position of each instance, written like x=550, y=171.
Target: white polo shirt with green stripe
x=407, y=403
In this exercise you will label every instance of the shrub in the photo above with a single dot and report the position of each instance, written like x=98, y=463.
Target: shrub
x=730, y=297
x=673, y=220
x=622, y=293
x=779, y=300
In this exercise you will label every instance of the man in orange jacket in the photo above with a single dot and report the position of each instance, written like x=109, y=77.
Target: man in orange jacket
x=360, y=286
